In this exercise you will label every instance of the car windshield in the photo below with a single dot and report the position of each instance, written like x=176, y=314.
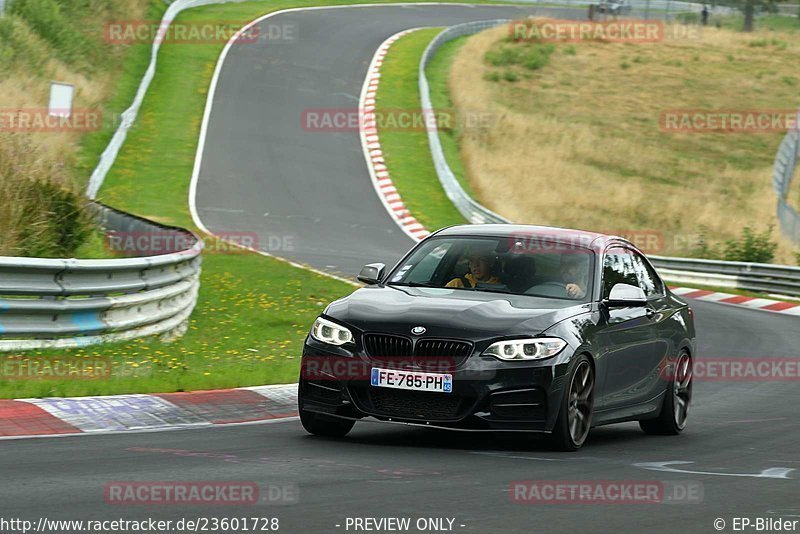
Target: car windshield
x=511, y=265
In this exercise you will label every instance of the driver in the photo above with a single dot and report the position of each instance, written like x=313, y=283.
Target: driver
x=574, y=275
x=480, y=271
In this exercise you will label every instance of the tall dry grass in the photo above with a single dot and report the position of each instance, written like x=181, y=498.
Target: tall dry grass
x=43, y=41
x=577, y=143
x=41, y=211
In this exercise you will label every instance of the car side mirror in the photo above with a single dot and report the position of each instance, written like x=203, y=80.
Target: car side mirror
x=371, y=273
x=626, y=296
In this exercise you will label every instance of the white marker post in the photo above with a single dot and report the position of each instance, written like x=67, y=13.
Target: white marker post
x=61, y=95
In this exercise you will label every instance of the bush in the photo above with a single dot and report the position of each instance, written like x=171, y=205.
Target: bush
x=751, y=246
x=532, y=56
x=41, y=212
x=505, y=55
x=56, y=223
x=538, y=56
x=688, y=18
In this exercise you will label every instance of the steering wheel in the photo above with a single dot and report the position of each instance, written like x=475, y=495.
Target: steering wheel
x=549, y=289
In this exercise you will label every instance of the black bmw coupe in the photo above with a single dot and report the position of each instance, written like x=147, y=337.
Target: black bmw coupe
x=504, y=328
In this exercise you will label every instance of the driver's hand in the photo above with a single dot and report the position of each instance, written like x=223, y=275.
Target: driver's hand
x=574, y=290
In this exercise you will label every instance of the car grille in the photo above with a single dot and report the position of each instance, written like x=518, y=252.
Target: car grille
x=434, y=355
x=387, y=346
x=441, y=354
x=414, y=404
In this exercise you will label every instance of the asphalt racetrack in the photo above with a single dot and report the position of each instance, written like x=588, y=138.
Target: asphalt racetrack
x=262, y=172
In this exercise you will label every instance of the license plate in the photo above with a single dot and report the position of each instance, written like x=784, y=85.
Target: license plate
x=392, y=378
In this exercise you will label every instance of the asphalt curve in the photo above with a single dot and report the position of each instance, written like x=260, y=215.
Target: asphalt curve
x=306, y=193
x=315, y=187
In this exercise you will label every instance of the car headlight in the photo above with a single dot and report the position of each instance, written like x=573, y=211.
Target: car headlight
x=526, y=349
x=331, y=333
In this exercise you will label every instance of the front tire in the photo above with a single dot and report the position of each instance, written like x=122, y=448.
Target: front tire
x=320, y=425
x=575, y=416
x=675, y=409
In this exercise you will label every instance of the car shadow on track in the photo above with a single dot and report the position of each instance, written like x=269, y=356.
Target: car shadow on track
x=627, y=436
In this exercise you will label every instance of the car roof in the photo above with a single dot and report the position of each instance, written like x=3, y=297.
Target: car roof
x=594, y=240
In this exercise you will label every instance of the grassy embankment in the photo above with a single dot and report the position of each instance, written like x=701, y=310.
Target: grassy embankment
x=253, y=312
x=42, y=172
x=578, y=140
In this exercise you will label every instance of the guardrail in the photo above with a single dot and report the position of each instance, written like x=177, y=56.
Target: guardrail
x=761, y=277
x=61, y=303
x=471, y=210
x=782, y=173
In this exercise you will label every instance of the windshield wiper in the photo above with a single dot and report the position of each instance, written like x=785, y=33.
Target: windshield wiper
x=414, y=284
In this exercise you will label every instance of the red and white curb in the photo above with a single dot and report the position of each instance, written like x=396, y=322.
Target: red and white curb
x=777, y=306
x=370, y=142
x=23, y=418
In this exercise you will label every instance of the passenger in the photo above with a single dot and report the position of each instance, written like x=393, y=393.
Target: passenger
x=480, y=272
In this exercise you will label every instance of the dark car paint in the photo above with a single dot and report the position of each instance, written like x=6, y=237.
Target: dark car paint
x=628, y=385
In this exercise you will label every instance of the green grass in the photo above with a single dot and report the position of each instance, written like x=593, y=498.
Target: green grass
x=248, y=328
x=136, y=60
x=406, y=152
x=253, y=312
x=777, y=23
x=437, y=73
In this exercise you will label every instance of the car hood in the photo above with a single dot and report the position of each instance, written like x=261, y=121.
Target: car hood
x=450, y=313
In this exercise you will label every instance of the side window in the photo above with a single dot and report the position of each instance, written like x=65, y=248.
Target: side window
x=648, y=279
x=618, y=268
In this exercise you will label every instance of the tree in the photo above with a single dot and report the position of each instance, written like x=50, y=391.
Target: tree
x=749, y=7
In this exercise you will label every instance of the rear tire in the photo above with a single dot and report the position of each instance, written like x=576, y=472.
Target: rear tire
x=675, y=409
x=575, y=414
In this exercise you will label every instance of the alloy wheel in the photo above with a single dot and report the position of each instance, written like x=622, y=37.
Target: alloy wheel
x=581, y=400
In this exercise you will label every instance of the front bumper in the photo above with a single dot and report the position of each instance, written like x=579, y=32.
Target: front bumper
x=488, y=394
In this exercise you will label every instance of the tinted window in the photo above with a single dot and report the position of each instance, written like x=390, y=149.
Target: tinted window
x=618, y=268
x=648, y=279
